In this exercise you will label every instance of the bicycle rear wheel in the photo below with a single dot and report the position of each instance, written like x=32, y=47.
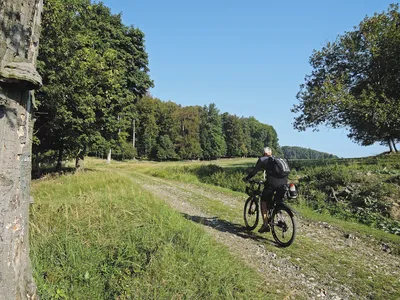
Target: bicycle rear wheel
x=251, y=213
x=283, y=226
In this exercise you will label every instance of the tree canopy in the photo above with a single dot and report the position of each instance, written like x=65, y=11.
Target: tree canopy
x=355, y=82
x=211, y=138
x=293, y=152
x=166, y=130
x=94, y=68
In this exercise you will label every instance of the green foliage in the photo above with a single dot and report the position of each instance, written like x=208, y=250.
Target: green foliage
x=99, y=236
x=291, y=152
x=147, y=128
x=198, y=132
x=167, y=116
x=259, y=136
x=351, y=192
x=354, y=82
x=165, y=149
x=211, y=174
x=99, y=147
x=216, y=175
x=231, y=181
x=93, y=69
x=123, y=150
x=45, y=158
x=188, y=143
x=330, y=176
x=364, y=190
x=234, y=136
x=212, y=141
x=383, y=162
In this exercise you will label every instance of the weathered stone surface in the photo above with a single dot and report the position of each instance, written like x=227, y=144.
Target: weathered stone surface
x=19, y=34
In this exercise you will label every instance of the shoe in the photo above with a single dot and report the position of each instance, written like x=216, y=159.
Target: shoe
x=264, y=228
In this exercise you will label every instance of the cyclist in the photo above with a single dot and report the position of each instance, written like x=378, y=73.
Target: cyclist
x=273, y=186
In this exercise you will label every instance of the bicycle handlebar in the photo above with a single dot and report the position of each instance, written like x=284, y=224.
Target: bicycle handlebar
x=256, y=181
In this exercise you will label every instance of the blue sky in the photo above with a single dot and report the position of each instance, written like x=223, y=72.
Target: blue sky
x=247, y=57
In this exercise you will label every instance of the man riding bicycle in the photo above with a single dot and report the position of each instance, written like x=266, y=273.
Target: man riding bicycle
x=277, y=178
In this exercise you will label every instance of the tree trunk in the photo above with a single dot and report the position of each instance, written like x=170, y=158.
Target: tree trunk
x=390, y=146
x=60, y=158
x=80, y=163
x=19, y=37
x=394, y=145
x=109, y=157
x=80, y=160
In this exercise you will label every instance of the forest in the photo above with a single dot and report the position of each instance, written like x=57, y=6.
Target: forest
x=293, y=152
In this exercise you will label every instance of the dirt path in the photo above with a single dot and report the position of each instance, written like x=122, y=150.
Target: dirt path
x=303, y=276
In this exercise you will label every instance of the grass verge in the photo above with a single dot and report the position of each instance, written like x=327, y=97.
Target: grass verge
x=95, y=235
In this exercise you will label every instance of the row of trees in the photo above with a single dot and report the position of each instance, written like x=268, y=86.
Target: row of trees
x=355, y=83
x=95, y=98
x=292, y=152
x=166, y=130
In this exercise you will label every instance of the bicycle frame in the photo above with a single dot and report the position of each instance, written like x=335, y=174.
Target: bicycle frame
x=280, y=215
x=257, y=192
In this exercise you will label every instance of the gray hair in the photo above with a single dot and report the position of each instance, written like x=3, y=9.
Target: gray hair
x=267, y=150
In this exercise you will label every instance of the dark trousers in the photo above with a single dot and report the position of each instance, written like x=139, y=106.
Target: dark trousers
x=272, y=195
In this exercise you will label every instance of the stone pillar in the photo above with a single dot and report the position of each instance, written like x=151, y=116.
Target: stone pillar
x=19, y=39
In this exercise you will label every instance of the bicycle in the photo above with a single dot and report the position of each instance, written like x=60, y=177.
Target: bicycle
x=280, y=216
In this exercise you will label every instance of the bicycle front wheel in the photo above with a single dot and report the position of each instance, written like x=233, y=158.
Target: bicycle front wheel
x=283, y=226
x=251, y=213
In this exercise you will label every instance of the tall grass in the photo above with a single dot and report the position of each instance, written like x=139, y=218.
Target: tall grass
x=351, y=190
x=230, y=178
x=98, y=236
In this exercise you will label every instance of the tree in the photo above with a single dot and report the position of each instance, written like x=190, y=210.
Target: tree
x=234, y=136
x=125, y=76
x=258, y=135
x=271, y=139
x=189, y=140
x=164, y=149
x=94, y=69
x=19, y=39
x=167, y=116
x=248, y=136
x=147, y=127
x=211, y=138
x=356, y=82
x=65, y=106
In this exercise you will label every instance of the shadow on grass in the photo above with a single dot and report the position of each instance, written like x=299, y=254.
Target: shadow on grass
x=225, y=226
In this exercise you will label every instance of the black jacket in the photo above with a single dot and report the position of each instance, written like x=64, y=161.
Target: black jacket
x=267, y=163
